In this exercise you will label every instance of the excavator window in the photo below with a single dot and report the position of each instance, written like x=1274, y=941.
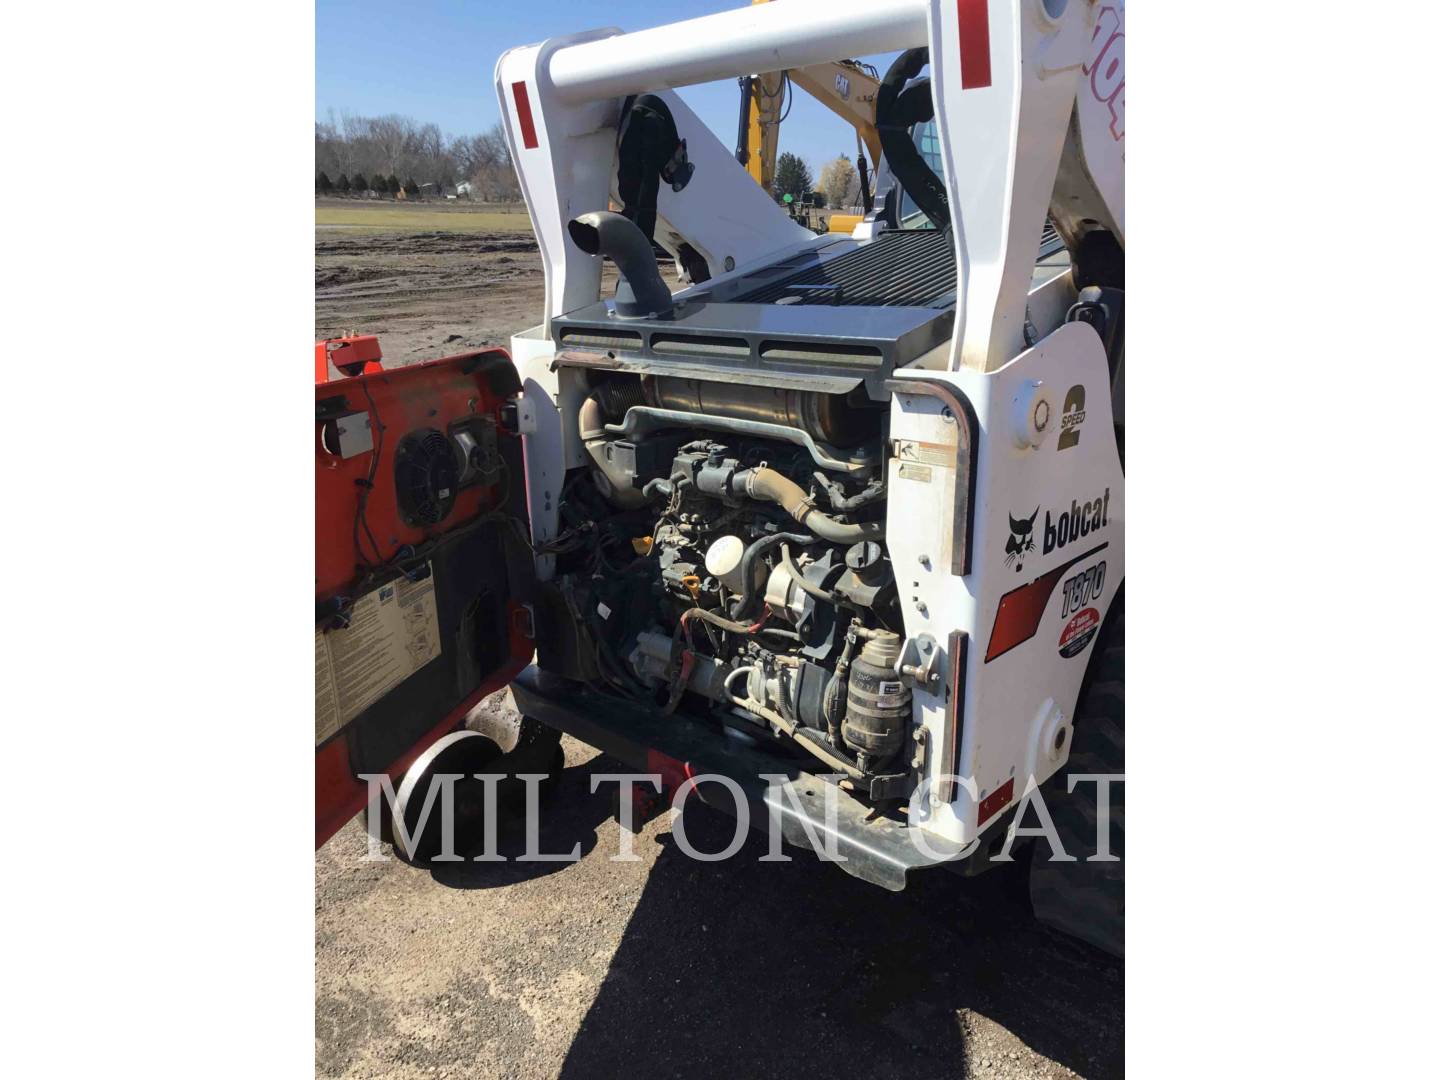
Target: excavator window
x=927, y=141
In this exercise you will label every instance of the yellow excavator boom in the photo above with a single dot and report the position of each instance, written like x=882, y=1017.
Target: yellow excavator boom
x=842, y=86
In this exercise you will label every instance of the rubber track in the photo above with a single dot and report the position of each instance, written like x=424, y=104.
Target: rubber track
x=1087, y=899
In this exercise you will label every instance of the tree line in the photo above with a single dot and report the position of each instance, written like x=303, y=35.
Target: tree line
x=358, y=154
x=838, y=186
x=371, y=153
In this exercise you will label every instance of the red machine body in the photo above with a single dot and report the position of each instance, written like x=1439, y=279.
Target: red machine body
x=342, y=356
x=471, y=565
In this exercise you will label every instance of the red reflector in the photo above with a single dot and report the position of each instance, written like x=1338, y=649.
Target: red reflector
x=996, y=801
x=527, y=122
x=673, y=772
x=974, y=43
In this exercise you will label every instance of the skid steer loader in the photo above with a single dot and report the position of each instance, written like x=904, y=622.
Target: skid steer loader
x=845, y=509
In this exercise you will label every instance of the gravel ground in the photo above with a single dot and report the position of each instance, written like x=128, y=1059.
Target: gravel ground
x=672, y=967
x=665, y=966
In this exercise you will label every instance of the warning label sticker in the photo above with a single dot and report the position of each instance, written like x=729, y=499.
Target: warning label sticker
x=394, y=632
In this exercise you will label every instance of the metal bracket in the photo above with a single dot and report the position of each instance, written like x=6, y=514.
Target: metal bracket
x=920, y=662
x=527, y=419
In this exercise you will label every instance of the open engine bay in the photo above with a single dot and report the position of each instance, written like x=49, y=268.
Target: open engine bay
x=721, y=574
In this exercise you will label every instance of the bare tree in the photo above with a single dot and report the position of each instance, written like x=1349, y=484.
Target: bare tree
x=385, y=146
x=837, y=179
x=484, y=160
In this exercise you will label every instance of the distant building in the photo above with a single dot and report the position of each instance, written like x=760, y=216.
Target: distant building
x=464, y=188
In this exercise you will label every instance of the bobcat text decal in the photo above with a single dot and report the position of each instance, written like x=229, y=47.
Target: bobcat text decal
x=1080, y=520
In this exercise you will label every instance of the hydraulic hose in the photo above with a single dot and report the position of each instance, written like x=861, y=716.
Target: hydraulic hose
x=828, y=754
x=874, y=492
x=804, y=737
x=898, y=109
x=769, y=485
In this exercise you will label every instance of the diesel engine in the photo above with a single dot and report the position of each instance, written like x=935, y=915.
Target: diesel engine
x=724, y=561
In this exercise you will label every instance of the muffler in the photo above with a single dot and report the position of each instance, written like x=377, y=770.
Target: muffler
x=640, y=293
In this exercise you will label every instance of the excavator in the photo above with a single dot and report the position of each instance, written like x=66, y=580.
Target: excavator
x=847, y=88
x=838, y=524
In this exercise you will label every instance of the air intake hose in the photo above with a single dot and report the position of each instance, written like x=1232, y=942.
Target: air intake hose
x=641, y=293
x=613, y=480
x=771, y=486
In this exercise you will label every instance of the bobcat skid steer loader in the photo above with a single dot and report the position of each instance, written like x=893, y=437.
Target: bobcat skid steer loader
x=847, y=509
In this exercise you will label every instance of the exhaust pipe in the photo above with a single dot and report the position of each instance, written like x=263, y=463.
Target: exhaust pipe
x=640, y=293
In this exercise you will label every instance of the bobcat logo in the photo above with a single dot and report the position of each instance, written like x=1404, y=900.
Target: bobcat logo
x=1020, y=540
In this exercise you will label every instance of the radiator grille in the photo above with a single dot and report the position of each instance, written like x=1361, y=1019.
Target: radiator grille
x=900, y=269
x=1050, y=241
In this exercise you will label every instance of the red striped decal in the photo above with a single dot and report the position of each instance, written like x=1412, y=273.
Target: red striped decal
x=974, y=43
x=527, y=122
x=1018, y=616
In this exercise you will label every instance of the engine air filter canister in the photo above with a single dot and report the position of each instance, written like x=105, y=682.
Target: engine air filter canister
x=877, y=702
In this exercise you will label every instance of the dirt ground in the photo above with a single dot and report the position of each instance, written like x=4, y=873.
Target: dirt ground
x=666, y=966
x=426, y=294
x=457, y=284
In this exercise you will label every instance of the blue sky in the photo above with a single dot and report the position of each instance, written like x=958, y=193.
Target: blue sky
x=434, y=60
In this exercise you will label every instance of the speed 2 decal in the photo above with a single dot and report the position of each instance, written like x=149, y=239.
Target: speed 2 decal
x=1018, y=615
x=1071, y=418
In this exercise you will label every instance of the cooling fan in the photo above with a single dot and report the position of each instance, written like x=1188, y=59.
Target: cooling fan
x=426, y=477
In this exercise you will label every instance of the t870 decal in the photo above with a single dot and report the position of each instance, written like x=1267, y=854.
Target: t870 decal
x=1083, y=620
x=1018, y=614
x=1082, y=588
